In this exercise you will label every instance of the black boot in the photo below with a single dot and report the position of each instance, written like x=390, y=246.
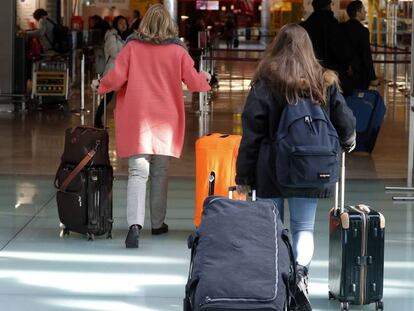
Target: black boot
x=301, y=301
x=163, y=229
x=132, y=239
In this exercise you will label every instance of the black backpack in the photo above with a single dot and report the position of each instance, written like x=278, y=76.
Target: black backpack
x=61, y=37
x=307, y=147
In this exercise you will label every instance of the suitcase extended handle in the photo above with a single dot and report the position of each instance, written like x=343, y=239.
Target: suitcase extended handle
x=96, y=99
x=340, y=202
x=234, y=188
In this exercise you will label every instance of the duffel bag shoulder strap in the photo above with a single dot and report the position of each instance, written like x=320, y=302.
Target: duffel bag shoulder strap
x=192, y=243
x=79, y=167
x=291, y=281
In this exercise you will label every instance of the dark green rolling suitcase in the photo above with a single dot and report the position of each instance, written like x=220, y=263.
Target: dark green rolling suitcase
x=356, y=253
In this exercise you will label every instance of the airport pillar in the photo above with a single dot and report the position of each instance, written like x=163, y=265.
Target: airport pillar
x=265, y=21
x=8, y=30
x=171, y=6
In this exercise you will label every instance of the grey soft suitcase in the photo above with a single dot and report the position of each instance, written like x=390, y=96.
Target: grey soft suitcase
x=356, y=253
x=241, y=258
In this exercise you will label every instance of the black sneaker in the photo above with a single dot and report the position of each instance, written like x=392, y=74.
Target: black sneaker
x=163, y=229
x=301, y=301
x=132, y=239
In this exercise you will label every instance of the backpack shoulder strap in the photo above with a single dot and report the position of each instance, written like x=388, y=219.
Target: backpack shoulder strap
x=46, y=36
x=51, y=20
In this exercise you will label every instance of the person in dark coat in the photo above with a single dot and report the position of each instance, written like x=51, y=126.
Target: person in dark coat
x=324, y=32
x=361, y=73
x=135, y=21
x=289, y=71
x=195, y=26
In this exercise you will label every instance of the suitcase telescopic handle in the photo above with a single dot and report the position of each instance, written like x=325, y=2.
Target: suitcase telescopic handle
x=234, y=188
x=340, y=201
x=95, y=98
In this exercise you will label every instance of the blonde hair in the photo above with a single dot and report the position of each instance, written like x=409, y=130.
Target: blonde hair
x=157, y=25
x=292, y=69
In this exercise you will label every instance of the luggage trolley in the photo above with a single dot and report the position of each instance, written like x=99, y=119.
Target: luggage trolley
x=50, y=76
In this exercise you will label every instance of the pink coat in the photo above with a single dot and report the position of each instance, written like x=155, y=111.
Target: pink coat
x=149, y=114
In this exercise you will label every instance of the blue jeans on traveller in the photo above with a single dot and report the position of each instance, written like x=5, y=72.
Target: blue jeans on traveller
x=302, y=221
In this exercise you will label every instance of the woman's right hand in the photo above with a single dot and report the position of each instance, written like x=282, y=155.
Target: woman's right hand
x=243, y=189
x=207, y=75
x=95, y=85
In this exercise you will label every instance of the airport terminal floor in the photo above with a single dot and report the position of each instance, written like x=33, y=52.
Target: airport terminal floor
x=42, y=270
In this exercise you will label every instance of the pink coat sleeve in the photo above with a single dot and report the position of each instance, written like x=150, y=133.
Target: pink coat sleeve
x=117, y=77
x=195, y=81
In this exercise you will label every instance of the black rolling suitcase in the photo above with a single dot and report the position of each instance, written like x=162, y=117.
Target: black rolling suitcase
x=84, y=182
x=84, y=199
x=356, y=252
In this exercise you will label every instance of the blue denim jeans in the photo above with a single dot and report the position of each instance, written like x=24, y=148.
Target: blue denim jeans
x=302, y=221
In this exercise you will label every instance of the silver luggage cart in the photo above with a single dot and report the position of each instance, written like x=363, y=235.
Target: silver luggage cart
x=50, y=77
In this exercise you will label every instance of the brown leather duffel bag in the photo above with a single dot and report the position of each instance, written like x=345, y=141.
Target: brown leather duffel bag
x=80, y=140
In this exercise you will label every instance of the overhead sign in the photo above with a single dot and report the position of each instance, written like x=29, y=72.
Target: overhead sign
x=207, y=5
x=119, y=4
x=141, y=5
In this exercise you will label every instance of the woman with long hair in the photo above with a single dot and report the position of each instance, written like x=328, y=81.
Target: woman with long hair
x=287, y=73
x=149, y=114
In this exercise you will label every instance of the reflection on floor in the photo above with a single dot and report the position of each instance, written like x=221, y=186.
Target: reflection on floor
x=39, y=270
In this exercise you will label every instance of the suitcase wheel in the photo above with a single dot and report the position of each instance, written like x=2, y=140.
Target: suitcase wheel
x=66, y=231
x=379, y=305
x=90, y=236
x=331, y=296
x=344, y=306
x=109, y=235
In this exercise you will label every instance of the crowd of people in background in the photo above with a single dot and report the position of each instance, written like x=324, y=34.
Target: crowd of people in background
x=342, y=47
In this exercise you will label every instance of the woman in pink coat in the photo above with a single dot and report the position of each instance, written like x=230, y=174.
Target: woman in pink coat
x=149, y=114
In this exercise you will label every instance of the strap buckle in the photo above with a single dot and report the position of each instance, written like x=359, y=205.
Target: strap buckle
x=92, y=152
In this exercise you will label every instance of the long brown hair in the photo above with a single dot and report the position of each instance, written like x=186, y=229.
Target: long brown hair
x=157, y=25
x=290, y=65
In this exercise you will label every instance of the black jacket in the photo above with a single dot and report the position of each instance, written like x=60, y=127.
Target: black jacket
x=324, y=32
x=260, y=119
x=356, y=37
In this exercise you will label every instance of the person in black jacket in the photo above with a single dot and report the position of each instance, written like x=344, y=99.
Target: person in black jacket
x=289, y=71
x=361, y=73
x=135, y=21
x=324, y=32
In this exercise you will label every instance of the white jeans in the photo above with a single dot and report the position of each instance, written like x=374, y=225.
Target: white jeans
x=140, y=168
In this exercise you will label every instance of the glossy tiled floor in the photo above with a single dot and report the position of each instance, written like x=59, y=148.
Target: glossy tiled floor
x=42, y=271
